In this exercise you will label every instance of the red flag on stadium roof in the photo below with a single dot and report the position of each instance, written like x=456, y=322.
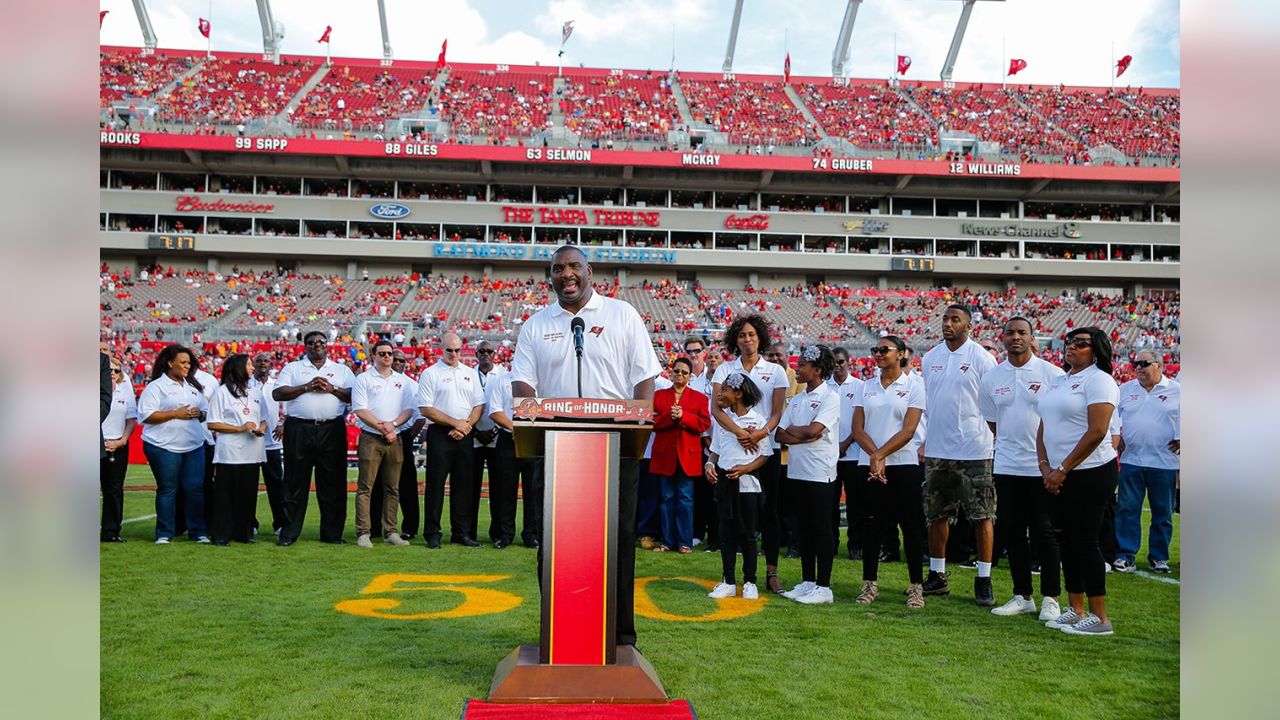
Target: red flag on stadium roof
x=786, y=69
x=204, y=27
x=1123, y=64
x=1016, y=65
x=102, y=14
x=325, y=37
x=444, y=47
x=904, y=62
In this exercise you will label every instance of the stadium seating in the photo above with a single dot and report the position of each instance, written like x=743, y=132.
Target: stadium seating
x=235, y=90
x=867, y=115
x=362, y=97
x=751, y=113
x=478, y=102
x=630, y=107
x=128, y=74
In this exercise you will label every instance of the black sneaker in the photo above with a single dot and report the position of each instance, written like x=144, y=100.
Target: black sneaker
x=937, y=584
x=793, y=552
x=888, y=557
x=982, y=592
x=855, y=553
x=969, y=564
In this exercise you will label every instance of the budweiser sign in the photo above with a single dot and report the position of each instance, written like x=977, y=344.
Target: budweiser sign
x=750, y=222
x=584, y=409
x=192, y=203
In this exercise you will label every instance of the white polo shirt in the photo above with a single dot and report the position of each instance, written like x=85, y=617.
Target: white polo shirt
x=957, y=430
x=767, y=376
x=884, y=410
x=208, y=386
x=1149, y=421
x=416, y=414
x=454, y=391
x=179, y=435
x=1009, y=398
x=848, y=393
x=497, y=398
x=123, y=407
x=385, y=397
x=271, y=408
x=1064, y=412
x=484, y=424
x=243, y=448
x=315, y=405
x=730, y=453
x=814, y=461
x=616, y=352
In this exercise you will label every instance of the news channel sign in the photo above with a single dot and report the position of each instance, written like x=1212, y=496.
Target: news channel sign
x=389, y=211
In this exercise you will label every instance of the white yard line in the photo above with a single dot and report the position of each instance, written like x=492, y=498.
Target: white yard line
x=1157, y=578
x=152, y=516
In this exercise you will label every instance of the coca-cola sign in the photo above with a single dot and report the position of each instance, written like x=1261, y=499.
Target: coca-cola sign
x=192, y=203
x=749, y=222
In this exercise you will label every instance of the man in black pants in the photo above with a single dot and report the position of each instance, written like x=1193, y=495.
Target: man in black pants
x=528, y=471
x=273, y=468
x=316, y=391
x=849, y=481
x=617, y=362
x=409, y=432
x=450, y=398
x=485, y=447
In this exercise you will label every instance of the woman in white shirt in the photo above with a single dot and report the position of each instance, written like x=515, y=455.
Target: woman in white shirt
x=885, y=419
x=116, y=431
x=1079, y=469
x=172, y=409
x=809, y=428
x=237, y=417
x=732, y=469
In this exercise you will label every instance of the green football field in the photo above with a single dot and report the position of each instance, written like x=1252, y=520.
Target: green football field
x=259, y=631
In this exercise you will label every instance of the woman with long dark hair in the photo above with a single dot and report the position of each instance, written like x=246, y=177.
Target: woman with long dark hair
x=1079, y=468
x=237, y=416
x=745, y=338
x=173, y=410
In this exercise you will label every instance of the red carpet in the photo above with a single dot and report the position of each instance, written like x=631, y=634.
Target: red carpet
x=674, y=710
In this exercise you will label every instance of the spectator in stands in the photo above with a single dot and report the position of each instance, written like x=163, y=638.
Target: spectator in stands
x=1078, y=466
x=382, y=400
x=316, y=391
x=1151, y=437
x=808, y=428
x=273, y=468
x=731, y=469
x=451, y=399
x=173, y=409
x=238, y=417
x=117, y=428
x=681, y=415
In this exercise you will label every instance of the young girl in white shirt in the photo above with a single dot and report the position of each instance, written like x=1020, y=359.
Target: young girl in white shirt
x=731, y=469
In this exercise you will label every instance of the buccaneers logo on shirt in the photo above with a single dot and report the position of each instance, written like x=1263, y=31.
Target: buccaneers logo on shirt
x=964, y=367
x=1163, y=398
x=1034, y=387
x=596, y=330
x=902, y=393
x=1075, y=385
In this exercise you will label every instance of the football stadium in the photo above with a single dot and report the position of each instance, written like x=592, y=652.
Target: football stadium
x=252, y=201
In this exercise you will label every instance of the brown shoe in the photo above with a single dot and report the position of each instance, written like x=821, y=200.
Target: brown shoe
x=915, y=596
x=647, y=542
x=870, y=591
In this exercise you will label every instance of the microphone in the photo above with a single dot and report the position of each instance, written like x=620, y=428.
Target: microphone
x=577, y=326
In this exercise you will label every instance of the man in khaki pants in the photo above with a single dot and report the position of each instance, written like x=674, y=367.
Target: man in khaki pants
x=382, y=400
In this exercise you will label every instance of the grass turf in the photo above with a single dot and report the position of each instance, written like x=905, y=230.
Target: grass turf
x=192, y=630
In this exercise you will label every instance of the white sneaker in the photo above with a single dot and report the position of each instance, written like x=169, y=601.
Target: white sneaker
x=1123, y=565
x=799, y=590
x=395, y=539
x=1049, y=609
x=1017, y=605
x=723, y=590
x=818, y=596
x=1068, y=617
x=163, y=541
x=750, y=591
x=696, y=542
x=204, y=540
x=364, y=541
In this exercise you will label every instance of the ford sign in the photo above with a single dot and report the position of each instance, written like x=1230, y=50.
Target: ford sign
x=389, y=211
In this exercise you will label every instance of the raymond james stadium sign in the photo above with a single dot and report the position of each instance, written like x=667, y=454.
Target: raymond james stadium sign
x=1069, y=230
x=543, y=253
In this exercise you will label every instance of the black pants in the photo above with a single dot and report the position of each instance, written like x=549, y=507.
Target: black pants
x=898, y=502
x=273, y=478
x=628, y=484
x=1107, y=533
x=706, y=515
x=739, y=513
x=846, y=484
x=452, y=459
x=236, y=490
x=323, y=449
x=648, y=504
x=770, y=525
x=1077, y=512
x=409, y=508
x=532, y=490
x=180, y=521
x=503, y=477
x=483, y=458
x=111, y=472
x=787, y=519
x=1023, y=513
x=812, y=512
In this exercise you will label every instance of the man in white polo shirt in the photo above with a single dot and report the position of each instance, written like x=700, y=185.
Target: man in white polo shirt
x=485, y=441
x=617, y=363
x=273, y=468
x=451, y=399
x=315, y=391
x=848, y=480
x=409, y=431
x=1151, y=436
x=957, y=452
x=382, y=400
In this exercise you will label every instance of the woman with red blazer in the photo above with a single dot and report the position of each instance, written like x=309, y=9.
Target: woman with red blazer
x=680, y=417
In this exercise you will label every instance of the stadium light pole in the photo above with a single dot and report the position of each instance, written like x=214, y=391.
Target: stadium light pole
x=386, y=39
x=957, y=39
x=270, y=48
x=840, y=55
x=733, y=36
x=148, y=32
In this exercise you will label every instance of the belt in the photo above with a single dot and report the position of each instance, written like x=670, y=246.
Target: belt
x=308, y=421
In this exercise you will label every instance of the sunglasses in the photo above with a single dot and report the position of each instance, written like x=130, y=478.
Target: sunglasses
x=384, y=353
x=315, y=342
x=841, y=362
x=1140, y=364
x=484, y=351
x=116, y=370
x=1080, y=342
x=680, y=372
x=693, y=351
x=453, y=350
x=882, y=350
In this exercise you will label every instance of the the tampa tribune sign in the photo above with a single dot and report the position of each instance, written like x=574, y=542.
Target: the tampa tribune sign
x=1065, y=230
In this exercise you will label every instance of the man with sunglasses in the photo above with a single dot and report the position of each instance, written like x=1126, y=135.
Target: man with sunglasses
x=408, y=431
x=705, y=516
x=315, y=391
x=486, y=455
x=848, y=388
x=451, y=399
x=1150, y=439
x=382, y=400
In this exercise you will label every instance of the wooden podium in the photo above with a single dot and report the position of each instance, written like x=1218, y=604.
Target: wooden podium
x=578, y=659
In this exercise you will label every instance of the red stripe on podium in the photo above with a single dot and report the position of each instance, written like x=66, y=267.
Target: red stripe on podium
x=579, y=549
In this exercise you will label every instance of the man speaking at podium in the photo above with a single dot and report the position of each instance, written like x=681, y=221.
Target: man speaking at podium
x=617, y=362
